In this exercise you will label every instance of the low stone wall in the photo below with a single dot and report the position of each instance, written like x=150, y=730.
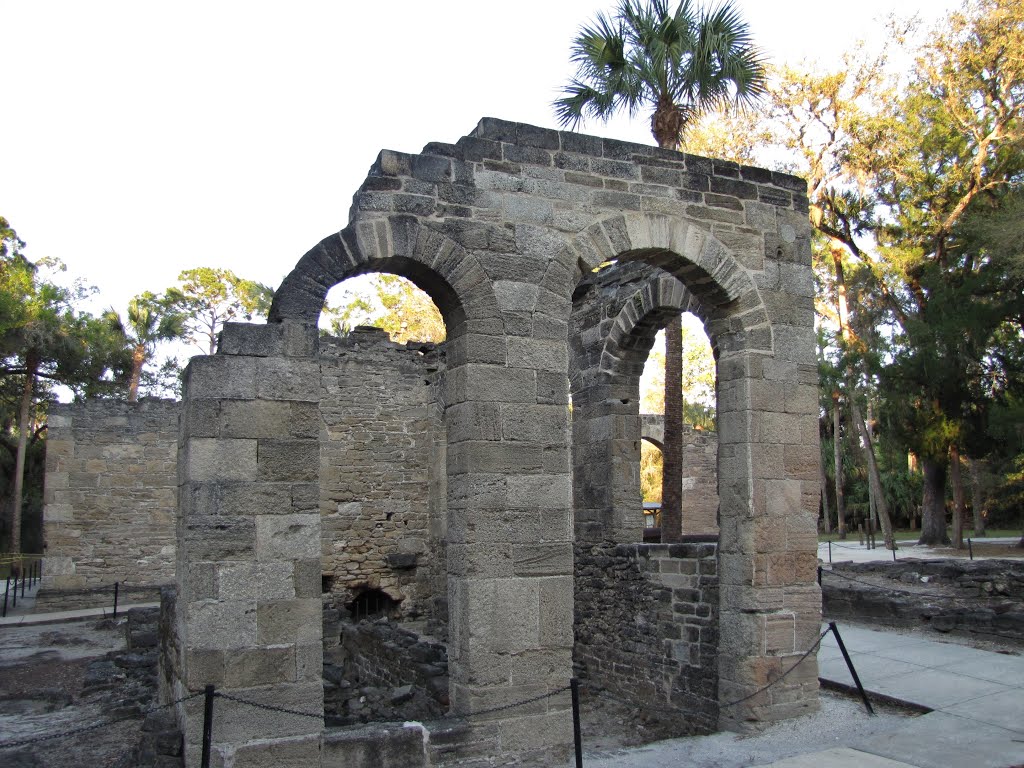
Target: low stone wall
x=983, y=598
x=378, y=670
x=647, y=630
x=50, y=599
x=110, y=494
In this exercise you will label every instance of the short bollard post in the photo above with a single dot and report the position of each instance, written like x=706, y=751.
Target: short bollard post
x=830, y=551
x=23, y=579
x=574, y=687
x=970, y=549
x=207, y=725
x=115, y=599
x=849, y=664
x=894, y=551
x=14, y=599
x=7, y=589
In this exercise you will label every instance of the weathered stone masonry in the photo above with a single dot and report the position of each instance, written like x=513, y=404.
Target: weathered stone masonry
x=506, y=230
x=110, y=496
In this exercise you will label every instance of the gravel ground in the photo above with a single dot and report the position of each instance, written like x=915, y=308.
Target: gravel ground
x=839, y=721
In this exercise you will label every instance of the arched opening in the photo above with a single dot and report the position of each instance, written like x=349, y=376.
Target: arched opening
x=386, y=301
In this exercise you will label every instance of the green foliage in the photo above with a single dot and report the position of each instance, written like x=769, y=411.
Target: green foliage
x=209, y=297
x=391, y=303
x=151, y=319
x=675, y=64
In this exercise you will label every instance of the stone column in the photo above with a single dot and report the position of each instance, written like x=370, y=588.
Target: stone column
x=248, y=569
x=509, y=541
x=770, y=603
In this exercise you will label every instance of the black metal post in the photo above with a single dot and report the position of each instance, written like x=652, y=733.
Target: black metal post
x=115, y=599
x=970, y=549
x=849, y=663
x=23, y=579
x=7, y=589
x=207, y=726
x=894, y=551
x=819, y=575
x=830, y=551
x=574, y=687
x=14, y=601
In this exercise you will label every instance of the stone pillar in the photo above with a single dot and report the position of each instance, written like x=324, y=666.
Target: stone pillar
x=510, y=542
x=248, y=569
x=770, y=603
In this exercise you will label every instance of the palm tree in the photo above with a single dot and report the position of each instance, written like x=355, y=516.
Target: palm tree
x=151, y=319
x=677, y=64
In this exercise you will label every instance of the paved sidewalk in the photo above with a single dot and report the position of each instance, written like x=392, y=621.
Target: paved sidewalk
x=852, y=551
x=24, y=613
x=976, y=698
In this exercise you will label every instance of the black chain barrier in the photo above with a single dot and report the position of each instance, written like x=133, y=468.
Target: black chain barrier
x=783, y=676
x=95, y=726
x=319, y=716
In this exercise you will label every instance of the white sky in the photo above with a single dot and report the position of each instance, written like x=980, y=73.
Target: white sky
x=142, y=138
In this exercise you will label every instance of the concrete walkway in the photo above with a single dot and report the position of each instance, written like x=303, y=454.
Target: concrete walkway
x=852, y=551
x=976, y=698
x=24, y=614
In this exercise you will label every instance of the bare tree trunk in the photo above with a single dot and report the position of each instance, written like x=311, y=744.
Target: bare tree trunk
x=823, y=481
x=672, y=452
x=874, y=477
x=933, y=505
x=837, y=455
x=19, y=462
x=959, y=501
x=977, y=497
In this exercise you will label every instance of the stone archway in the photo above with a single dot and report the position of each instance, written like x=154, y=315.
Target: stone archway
x=499, y=228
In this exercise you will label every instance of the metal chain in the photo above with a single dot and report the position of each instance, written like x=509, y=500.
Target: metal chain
x=782, y=677
x=519, y=703
x=94, y=726
x=268, y=707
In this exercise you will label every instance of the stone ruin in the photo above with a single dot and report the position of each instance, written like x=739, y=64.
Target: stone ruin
x=456, y=490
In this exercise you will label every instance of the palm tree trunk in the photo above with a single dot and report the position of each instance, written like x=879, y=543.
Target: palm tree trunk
x=837, y=455
x=24, y=412
x=933, y=505
x=138, y=360
x=959, y=500
x=672, y=450
x=977, y=497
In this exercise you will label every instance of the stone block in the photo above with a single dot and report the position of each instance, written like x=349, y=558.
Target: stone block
x=542, y=560
x=213, y=459
x=249, y=667
x=534, y=423
x=255, y=581
x=296, y=752
x=538, y=491
x=291, y=379
x=220, y=378
x=288, y=460
x=540, y=354
x=220, y=625
x=376, y=746
x=516, y=297
x=290, y=537
x=280, y=622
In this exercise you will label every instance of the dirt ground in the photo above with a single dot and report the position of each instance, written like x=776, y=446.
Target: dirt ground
x=58, y=678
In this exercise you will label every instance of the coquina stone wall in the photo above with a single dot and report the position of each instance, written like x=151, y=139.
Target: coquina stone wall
x=700, y=472
x=382, y=467
x=647, y=630
x=110, y=496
